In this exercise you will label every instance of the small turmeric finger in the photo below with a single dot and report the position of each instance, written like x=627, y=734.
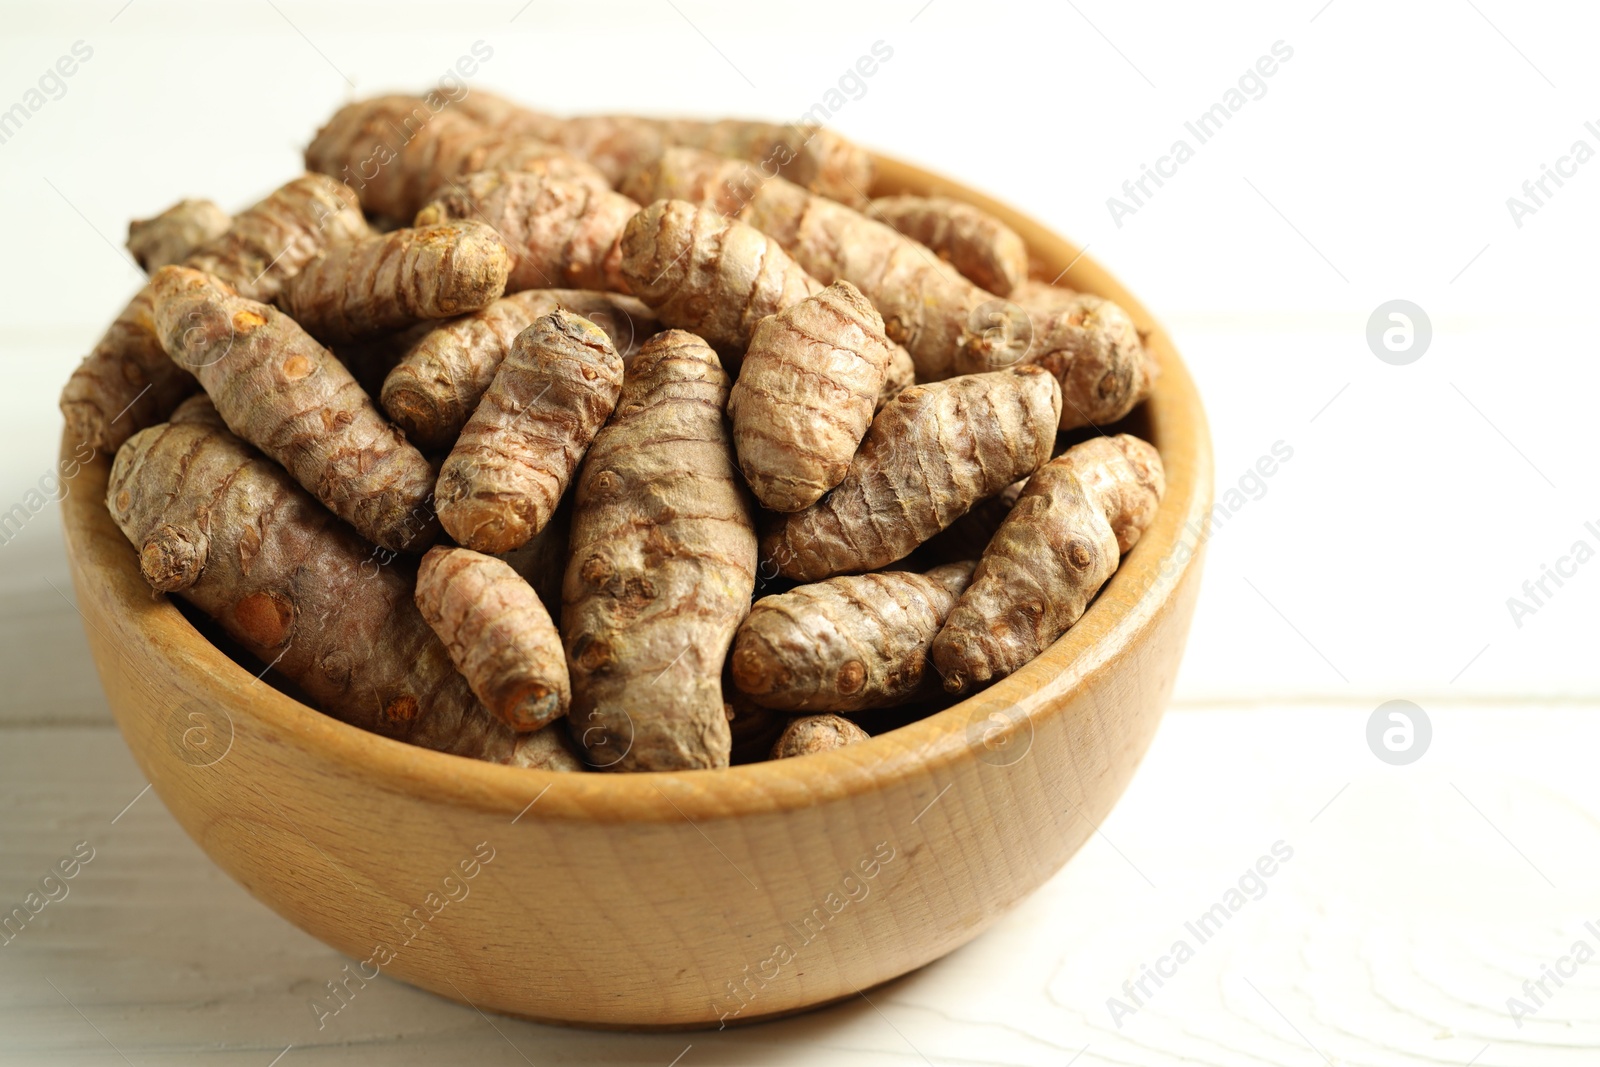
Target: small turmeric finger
x=1043, y=299
x=463, y=150
x=379, y=147
x=1061, y=542
x=223, y=527
x=988, y=252
x=813, y=157
x=1092, y=347
x=561, y=232
x=273, y=241
x=806, y=393
x=173, y=235
x=846, y=644
x=501, y=113
x=397, y=151
x=616, y=144
x=127, y=382
x=397, y=279
x=932, y=453
x=498, y=634
x=711, y=275
x=512, y=463
x=434, y=388
x=287, y=395
x=810, y=734
x=662, y=564
x=724, y=185
x=949, y=325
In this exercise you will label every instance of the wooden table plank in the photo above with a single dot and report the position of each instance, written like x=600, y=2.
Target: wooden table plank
x=48, y=676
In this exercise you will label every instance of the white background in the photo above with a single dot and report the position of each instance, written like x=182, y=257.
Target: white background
x=1376, y=166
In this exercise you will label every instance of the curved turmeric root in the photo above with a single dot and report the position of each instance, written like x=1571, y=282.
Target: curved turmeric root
x=512, y=463
x=810, y=734
x=561, y=232
x=846, y=644
x=617, y=144
x=716, y=182
x=813, y=157
x=1062, y=540
x=498, y=635
x=462, y=151
x=985, y=250
x=806, y=393
x=434, y=388
x=397, y=151
x=273, y=241
x=393, y=280
x=1043, y=299
x=1092, y=347
x=949, y=325
x=380, y=146
x=128, y=383
x=173, y=235
x=933, y=452
x=125, y=383
x=227, y=530
x=289, y=396
x=662, y=564
x=500, y=113
x=711, y=275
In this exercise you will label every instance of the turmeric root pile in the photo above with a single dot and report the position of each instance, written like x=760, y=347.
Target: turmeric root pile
x=615, y=443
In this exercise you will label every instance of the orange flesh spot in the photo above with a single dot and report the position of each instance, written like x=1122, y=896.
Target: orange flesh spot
x=265, y=618
x=245, y=320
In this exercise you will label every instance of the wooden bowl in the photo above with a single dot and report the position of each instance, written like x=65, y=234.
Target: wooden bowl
x=655, y=901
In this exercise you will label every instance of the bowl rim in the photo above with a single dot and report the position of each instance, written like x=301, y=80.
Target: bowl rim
x=1141, y=590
